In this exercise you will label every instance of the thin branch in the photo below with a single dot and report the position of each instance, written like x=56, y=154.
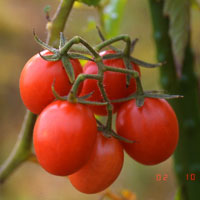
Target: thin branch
x=22, y=149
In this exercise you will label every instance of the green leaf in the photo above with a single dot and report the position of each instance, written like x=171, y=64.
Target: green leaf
x=90, y=2
x=112, y=17
x=178, y=12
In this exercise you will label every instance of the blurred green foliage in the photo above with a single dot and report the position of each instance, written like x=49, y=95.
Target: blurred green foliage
x=112, y=17
x=17, y=20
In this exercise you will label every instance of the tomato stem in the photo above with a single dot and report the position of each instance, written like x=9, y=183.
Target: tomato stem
x=145, y=64
x=110, y=133
x=80, y=79
x=99, y=76
x=78, y=40
x=150, y=94
x=127, y=49
x=109, y=106
x=139, y=93
x=133, y=43
x=43, y=44
x=56, y=95
x=79, y=100
x=111, y=41
x=121, y=70
x=79, y=56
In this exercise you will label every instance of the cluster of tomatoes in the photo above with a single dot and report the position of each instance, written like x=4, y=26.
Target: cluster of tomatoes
x=66, y=138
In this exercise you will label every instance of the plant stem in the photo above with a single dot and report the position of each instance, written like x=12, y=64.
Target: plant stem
x=127, y=49
x=81, y=78
x=101, y=69
x=83, y=50
x=22, y=149
x=187, y=159
x=108, y=42
x=109, y=106
x=69, y=44
x=140, y=90
x=99, y=76
x=79, y=49
x=91, y=102
x=134, y=73
x=58, y=22
x=77, y=40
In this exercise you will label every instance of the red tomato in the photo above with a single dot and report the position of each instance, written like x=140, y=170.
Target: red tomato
x=64, y=136
x=102, y=169
x=37, y=78
x=114, y=84
x=153, y=127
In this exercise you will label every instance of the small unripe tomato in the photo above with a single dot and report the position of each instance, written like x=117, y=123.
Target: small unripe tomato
x=37, y=78
x=113, y=82
x=64, y=137
x=153, y=127
x=103, y=167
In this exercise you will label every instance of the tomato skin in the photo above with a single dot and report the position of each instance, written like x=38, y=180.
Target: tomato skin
x=64, y=136
x=37, y=78
x=102, y=169
x=153, y=127
x=114, y=83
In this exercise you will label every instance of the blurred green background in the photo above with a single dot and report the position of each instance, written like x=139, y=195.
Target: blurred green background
x=17, y=20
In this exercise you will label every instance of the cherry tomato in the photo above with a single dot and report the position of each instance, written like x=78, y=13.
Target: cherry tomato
x=153, y=127
x=37, y=78
x=102, y=169
x=114, y=83
x=64, y=136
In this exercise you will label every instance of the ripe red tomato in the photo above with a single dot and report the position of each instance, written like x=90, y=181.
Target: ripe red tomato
x=64, y=136
x=37, y=78
x=114, y=83
x=102, y=169
x=153, y=127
